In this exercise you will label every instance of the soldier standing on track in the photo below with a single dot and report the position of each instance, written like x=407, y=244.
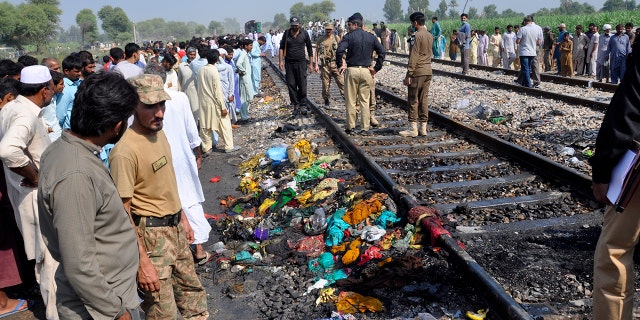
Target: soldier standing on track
x=418, y=77
x=326, y=47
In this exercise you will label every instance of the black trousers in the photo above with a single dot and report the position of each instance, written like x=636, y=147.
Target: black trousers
x=297, y=82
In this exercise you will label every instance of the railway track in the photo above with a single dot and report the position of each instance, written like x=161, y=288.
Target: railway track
x=480, y=183
x=545, y=77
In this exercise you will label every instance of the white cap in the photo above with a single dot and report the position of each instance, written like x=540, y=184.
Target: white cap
x=223, y=52
x=35, y=74
x=606, y=27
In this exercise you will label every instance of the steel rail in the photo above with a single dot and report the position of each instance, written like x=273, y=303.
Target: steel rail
x=606, y=87
x=499, y=300
x=599, y=105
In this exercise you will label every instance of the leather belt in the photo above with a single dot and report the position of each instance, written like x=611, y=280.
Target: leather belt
x=171, y=220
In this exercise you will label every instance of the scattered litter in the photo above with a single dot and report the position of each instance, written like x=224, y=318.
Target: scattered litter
x=567, y=151
x=479, y=315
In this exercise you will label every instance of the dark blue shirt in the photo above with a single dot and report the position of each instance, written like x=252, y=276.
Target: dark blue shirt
x=360, y=46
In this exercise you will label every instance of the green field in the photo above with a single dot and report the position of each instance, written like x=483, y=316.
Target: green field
x=571, y=21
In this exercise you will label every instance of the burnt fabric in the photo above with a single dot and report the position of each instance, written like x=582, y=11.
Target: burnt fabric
x=351, y=302
x=394, y=274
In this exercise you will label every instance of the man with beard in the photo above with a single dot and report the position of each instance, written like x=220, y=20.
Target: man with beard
x=83, y=222
x=142, y=169
x=23, y=139
x=293, y=59
x=88, y=63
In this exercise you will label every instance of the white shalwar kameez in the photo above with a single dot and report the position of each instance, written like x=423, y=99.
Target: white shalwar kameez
x=182, y=133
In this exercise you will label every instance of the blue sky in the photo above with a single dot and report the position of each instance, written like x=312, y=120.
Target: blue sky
x=203, y=11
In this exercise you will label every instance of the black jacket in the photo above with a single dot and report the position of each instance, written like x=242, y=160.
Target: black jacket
x=621, y=123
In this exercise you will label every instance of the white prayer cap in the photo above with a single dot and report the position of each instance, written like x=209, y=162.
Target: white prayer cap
x=35, y=74
x=606, y=27
x=223, y=52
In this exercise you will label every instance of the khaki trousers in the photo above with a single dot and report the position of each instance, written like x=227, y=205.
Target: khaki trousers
x=613, y=263
x=357, y=91
x=328, y=70
x=224, y=132
x=418, y=94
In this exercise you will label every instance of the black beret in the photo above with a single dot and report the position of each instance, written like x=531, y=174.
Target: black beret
x=356, y=16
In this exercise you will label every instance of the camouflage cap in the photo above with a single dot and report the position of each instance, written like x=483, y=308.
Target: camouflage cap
x=150, y=88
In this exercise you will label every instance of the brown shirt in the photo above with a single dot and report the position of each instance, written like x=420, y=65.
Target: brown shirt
x=453, y=48
x=420, y=56
x=142, y=168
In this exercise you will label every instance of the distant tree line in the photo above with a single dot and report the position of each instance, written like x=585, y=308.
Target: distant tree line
x=451, y=9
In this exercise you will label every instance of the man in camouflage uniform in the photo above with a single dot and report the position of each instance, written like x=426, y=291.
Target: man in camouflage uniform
x=326, y=47
x=141, y=167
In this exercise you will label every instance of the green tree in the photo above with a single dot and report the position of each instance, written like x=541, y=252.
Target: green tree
x=298, y=9
x=232, y=25
x=613, y=5
x=116, y=24
x=419, y=5
x=280, y=21
x=392, y=10
x=490, y=11
x=8, y=18
x=583, y=8
x=473, y=13
x=200, y=30
x=32, y=27
x=52, y=10
x=441, y=13
x=215, y=27
x=565, y=6
x=629, y=5
x=319, y=11
x=73, y=34
x=509, y=13
x=88, y=24
x=453, y=9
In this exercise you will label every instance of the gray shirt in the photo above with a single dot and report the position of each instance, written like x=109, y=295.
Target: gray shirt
x=530, y=39
x=87, y=230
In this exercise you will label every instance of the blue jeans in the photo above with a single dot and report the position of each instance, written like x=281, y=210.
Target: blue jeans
x=525, y=68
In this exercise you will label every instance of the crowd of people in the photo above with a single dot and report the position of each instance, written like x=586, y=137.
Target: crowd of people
x=100, y=159
x=590, y=54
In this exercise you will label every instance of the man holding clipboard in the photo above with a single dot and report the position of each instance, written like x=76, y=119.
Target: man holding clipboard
x=613, y=288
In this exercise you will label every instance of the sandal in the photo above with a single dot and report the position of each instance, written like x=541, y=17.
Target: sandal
x=202, y=261
x=19, y=307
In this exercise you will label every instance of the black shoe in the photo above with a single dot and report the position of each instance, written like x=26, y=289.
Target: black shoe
x=349, y=131
x=536, y=84
x=326, y=102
